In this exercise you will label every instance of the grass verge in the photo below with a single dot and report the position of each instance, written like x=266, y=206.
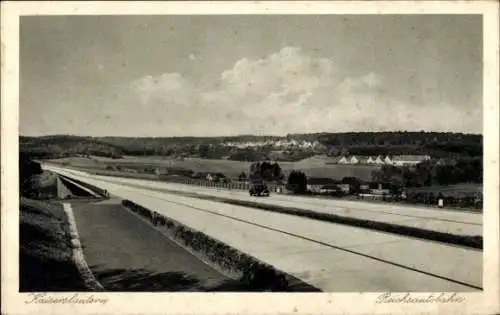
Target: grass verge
x=45, y=251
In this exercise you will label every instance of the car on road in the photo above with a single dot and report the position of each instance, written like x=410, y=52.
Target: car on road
x=259, y=189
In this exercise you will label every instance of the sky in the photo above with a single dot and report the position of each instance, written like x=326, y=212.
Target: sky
x=164, y=76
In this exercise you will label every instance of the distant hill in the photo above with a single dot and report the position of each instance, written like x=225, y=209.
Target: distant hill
x=399, y=142
x=62, y=145
x=436, y=144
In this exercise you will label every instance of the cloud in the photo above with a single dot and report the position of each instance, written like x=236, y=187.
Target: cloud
x=287, y=70
x=166, y=88
x=291, y=91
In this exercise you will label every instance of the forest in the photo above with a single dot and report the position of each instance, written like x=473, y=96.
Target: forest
x=437, y=145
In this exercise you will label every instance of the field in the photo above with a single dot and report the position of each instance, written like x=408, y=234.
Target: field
x=312, y=167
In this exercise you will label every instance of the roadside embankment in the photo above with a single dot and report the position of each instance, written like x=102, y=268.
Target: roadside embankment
x=253, y=274
x=45, y=249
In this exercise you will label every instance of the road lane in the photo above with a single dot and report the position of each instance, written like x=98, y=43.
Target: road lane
x=454, y=222
x=126, y=254
x=328, y=256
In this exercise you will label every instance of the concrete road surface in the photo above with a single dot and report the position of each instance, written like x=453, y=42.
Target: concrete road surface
x=328, y=256
x=448, y=221
x=126, y=254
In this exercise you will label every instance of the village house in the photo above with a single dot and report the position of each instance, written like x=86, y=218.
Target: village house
x=401, y=160
x=353, y=160
x=364, y=186
x=315, y=184
x=330, y=190
x=343, y=160
x=388, y=160
x=370, y=160
x=379, y=160
x=357, y=160
x=345, y=188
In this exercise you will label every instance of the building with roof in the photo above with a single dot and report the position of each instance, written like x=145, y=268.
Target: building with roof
x=343, y=160
x=315, y=184
x=379, y=160
x=370, y=160
x=387, y=160
x=400, y=160
x=353, y=160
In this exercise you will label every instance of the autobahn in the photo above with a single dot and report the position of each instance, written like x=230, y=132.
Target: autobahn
x=331, y=257
x=447, y=221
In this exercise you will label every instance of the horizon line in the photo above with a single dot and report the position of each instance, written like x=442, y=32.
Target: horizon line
x=252, y=135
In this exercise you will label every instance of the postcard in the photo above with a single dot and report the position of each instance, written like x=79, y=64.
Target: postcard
x=250, y=157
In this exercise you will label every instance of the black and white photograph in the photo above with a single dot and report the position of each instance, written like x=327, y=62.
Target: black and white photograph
x=252, y=153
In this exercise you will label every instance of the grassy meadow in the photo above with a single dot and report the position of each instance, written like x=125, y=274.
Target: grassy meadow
x=312, y=167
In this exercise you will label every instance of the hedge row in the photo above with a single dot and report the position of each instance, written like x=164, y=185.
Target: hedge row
x=95, y=189
x=254, y=274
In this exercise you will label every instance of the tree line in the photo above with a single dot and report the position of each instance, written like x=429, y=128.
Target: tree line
x=27, y=168
x=428, y=173
x=361, y=143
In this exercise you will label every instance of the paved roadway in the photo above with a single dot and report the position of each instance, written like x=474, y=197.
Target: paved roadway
x=448, y=221
x=328, y=256
x=113, y=243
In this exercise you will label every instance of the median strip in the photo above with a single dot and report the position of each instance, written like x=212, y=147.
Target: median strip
x=475, y=242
